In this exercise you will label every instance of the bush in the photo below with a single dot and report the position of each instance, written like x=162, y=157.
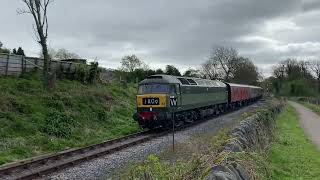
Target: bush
x=151, y=168
x=54, y=102
x=85, y=74
x=81, y=73
x=93, y=73
x=297, y=88
x=102, y=115
x=59, y=124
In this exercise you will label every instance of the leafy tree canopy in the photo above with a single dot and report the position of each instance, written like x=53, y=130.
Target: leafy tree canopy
x=171, y=70
x=3, y=49
x=61, y=54
x=192, y=73
x=245, y=72
x=130, y=63
x=159, y=71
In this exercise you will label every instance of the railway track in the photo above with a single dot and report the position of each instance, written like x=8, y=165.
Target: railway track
x=42, y=165
x=37, y=167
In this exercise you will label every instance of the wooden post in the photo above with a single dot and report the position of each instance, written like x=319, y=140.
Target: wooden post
x=25, y=64
x=61, y=67
x=7, y=65
x=69, y=68
x=22, y=70
x=49, y=68
x=36, y=63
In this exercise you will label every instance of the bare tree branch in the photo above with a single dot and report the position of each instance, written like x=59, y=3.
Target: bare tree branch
x=38, y=9
x=224, y=61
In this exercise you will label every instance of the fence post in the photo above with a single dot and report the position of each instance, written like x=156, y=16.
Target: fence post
x=69, y=70
x=36, y=63
x=49, y=65
x=7, y=65
x=22, y=70
x=25, y=64
x=61, y=67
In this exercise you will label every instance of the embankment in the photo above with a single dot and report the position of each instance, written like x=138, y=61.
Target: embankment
x=253, y=134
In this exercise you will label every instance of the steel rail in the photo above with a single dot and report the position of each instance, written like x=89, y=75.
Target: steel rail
x=41, y=165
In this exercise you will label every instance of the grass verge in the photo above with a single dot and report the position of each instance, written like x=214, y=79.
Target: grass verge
x=292, y=155
x=34, y=121
x=191, y=160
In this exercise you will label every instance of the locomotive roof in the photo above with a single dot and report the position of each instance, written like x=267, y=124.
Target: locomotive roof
x=184, y=81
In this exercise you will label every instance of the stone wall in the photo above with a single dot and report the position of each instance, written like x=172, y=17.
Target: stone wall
x=252, y=135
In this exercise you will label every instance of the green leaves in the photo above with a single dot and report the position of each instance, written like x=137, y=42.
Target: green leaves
x=59, y=124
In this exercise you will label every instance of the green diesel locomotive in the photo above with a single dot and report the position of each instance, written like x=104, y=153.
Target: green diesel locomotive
x=163, y=97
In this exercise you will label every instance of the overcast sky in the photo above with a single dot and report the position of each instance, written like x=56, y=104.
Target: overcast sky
x=178, y=32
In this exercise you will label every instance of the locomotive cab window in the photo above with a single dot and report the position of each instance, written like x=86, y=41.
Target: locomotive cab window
x=154, y=89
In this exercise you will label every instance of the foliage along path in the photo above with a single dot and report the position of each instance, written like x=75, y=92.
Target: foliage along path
x=310, y=122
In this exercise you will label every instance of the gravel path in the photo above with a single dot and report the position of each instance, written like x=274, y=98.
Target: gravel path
x=105, y=167
x=310, y=122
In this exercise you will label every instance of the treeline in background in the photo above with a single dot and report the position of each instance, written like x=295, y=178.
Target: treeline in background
x=290, y=77
x=224, y=63
x=295, y=78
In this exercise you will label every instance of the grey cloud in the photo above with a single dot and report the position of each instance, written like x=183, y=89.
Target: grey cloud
x=163, y=32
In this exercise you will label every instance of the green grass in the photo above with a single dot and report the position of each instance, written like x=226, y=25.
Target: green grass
x=191, y=160
x=35, y=122
x=292, y=155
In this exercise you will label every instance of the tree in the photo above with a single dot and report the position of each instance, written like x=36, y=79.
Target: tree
x=171, y=70
x=20, y=51
x=14, y=51
x=52, y=52
x=209, y=70
x=3, y=49
x=245, y=72
x=315, y=68
x=130, y=63
x=61, y=54
x=150, y=72
x=223, y=59
x=293, y=77
x=38, y=9
x=192, y=73
x=291, y=69
x=159, y=71
x=65, y=54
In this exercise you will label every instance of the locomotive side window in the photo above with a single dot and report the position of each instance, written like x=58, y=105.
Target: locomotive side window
x=173, y=89
x=177, y=88
x=153, y=89
x=184, y=81
x=192, y=82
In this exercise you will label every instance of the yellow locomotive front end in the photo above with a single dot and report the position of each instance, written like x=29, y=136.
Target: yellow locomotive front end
x=151, y=101
x=152, y=104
